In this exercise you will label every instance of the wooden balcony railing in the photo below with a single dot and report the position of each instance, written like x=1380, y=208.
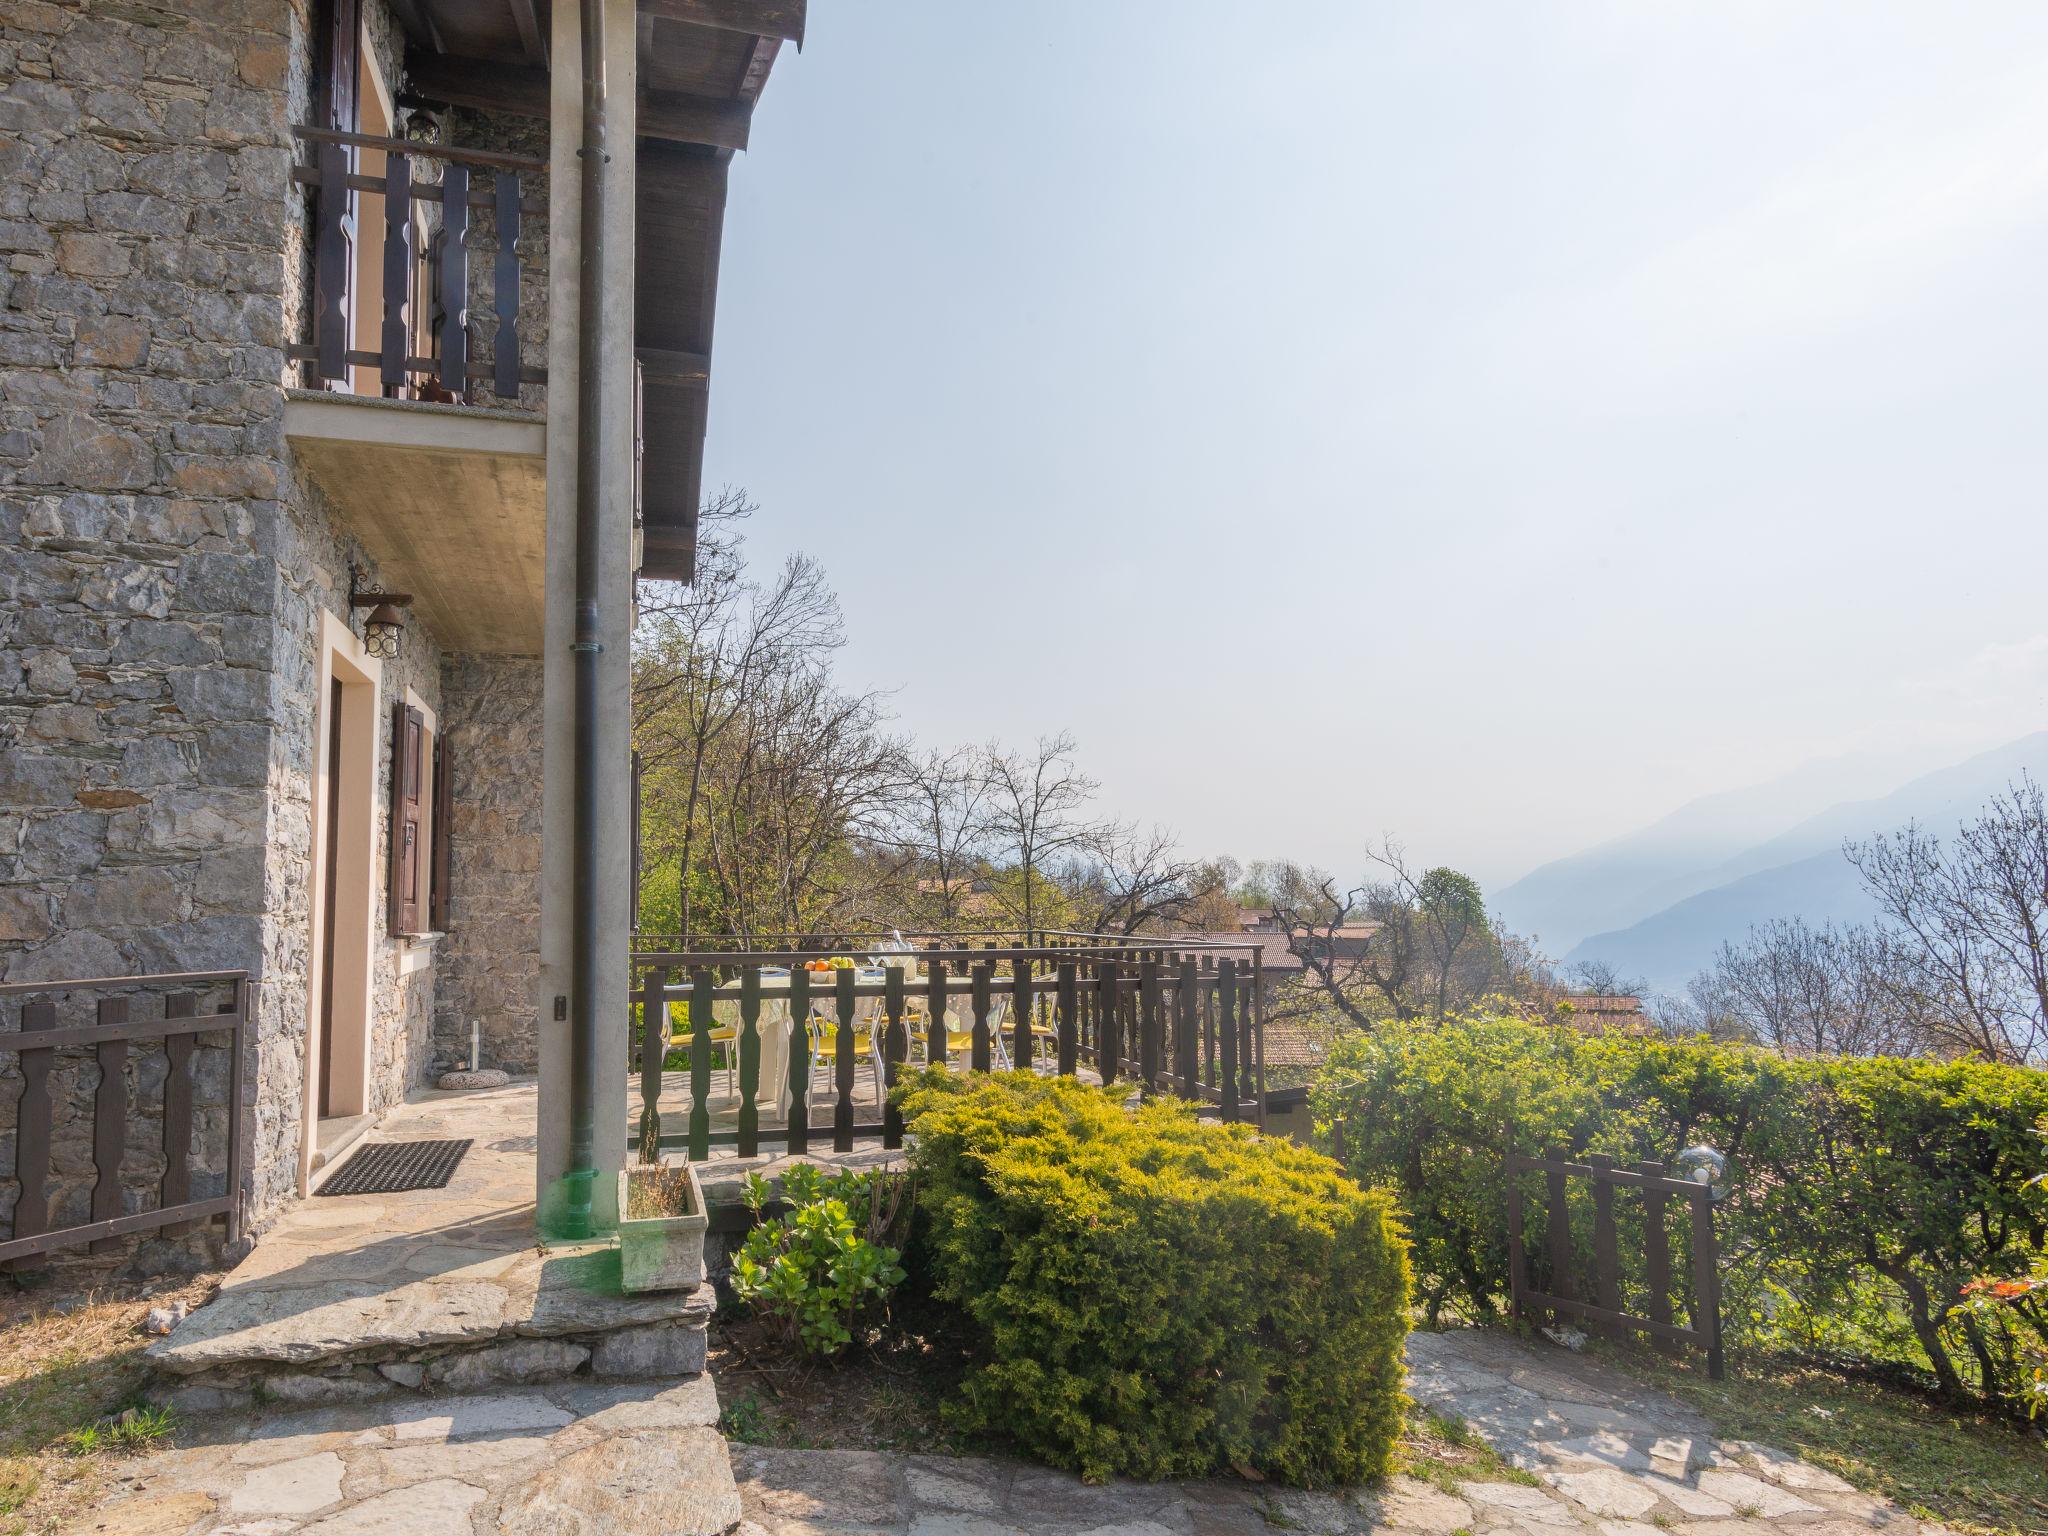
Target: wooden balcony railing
x=424, y=341
x=46, y=1114
x=1166, y=1016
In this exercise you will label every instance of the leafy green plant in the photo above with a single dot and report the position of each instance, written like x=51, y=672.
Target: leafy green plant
x=2017, y=1305
x=1867, y=1192
x=811, y=1272
x=1155, y=1295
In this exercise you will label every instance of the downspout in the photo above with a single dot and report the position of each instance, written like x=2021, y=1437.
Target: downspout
x=588, y=646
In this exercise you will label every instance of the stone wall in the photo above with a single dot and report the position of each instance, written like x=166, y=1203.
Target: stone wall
x=488, y=963
x=166, y=561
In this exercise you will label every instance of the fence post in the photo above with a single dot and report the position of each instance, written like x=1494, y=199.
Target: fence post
x=894, y=1047
x=395, y=337
x=176, y=1187
x=749, y=1043
x=1517, y=1284
x=1656, y=1250
x=1148, y=1025
x=703, y=990
x=653, y=1056
x=935, y=1010
x=980, y=1061
x=32, y=1163
x=238, y=1067
x=799, y=1060
x=842, y=1062
x=1020, y=1007
x=1560, y=1227
x=1706, y=1278
x=1108, y=1019
x=1606, y=1254
x=1066, y=1025
x=1226, y=1061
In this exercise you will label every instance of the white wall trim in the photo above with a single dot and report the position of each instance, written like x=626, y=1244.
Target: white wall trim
x=341, y=655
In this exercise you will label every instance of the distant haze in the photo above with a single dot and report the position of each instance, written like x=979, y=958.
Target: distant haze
x=1659, y=902
x=1497, y=426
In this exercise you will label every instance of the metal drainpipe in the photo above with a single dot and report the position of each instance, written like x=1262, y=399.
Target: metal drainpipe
x=588, y=645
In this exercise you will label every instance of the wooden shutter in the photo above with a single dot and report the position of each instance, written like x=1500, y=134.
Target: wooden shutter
x=437, y=879
x=408, y=742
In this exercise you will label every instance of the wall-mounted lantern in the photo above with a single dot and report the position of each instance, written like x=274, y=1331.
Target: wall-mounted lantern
x=385, y=626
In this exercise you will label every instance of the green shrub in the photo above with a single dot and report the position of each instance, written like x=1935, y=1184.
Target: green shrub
x=813, y=1270
x=1154, y=1295
x=1868, y=1191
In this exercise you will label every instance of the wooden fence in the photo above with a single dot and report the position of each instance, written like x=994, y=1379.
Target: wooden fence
x=1167, y=1019
x=1603, y=1310
x=116, y=1028
x=425, y=271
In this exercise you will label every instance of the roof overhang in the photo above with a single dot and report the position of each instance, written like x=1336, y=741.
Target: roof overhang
x=702, y=65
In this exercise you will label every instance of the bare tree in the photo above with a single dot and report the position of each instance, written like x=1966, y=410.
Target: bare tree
x=708, y=653
x=1037, y=802
x=1131, y=881
x=938, y=828
x=1812, y=991
x=1415, y=942
x=1602, y=978
x=1974, y=917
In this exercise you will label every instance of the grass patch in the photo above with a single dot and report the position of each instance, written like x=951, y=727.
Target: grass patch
x=1443, y=1450
x=1975, y=1474
x=71, y=1374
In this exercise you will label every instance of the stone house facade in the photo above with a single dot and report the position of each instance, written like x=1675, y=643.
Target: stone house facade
x=175, y=578
x=259, y=387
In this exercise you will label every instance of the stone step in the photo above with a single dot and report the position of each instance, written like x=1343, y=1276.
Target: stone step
x=512, y=1319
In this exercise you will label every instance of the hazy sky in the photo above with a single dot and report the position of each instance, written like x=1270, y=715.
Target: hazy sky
x=1494, y=424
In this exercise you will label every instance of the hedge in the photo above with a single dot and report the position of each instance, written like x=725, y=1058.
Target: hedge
x=1153, y=1295
x=1867, y=1192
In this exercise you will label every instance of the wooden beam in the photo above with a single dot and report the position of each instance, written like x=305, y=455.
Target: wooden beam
x=473, y=83
x=418, y=23
x=694, y=119
x=670, y=367
x=524, y=92
x=781, y=19
x=527, y=19
x=759, y=62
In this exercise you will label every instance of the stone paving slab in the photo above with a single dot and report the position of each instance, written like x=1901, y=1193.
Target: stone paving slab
x=391, y=1277
x=625, y=1459
x=1606, y=1456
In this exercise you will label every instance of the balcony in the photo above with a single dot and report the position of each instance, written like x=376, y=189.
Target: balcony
x=419, y=418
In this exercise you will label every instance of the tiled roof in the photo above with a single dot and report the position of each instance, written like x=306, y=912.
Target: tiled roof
x=1297, y=1042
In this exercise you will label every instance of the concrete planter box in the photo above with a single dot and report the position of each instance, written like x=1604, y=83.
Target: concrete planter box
x=666, y=1252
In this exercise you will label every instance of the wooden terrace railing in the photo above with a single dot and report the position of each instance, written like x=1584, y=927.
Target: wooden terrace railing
x=448, y=295
x=178, y=1026
x=1603, y=1311
x=1166, y=1016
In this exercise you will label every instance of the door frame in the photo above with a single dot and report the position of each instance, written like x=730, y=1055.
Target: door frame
x=343, y=659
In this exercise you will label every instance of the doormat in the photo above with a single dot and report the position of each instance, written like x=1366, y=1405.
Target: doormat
x=392, y=1167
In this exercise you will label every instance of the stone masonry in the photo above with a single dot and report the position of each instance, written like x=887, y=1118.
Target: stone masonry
x=164, y=562
x=488, y=964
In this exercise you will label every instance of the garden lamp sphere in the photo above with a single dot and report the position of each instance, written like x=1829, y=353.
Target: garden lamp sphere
x=1701, y=1164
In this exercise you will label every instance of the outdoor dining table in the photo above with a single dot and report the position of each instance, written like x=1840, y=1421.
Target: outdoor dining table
x=776, y=1034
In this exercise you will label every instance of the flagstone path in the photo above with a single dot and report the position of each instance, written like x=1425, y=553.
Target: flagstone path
x=1610, y=1457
